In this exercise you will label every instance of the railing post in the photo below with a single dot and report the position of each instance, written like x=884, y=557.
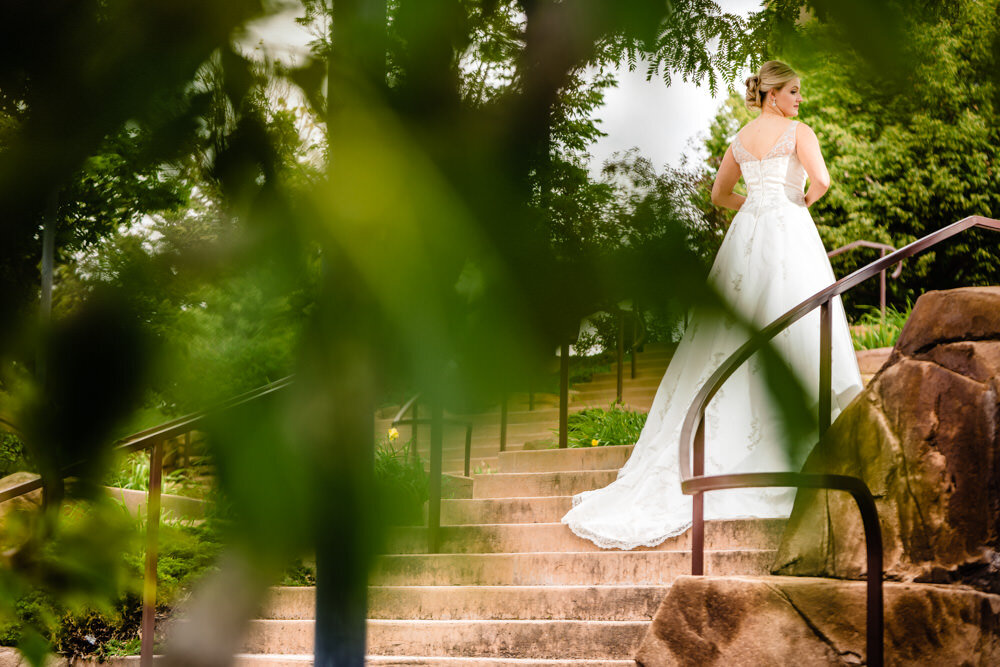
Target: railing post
x=564, y=396
x=621, y=351
x=152, y=535
x=468, y=448
x=825, y=367
x=635, y=335
x=434, y=483
x=503, y=425
x=875, y=626
x=698, y=505
x=881, y=286
x=413, y=430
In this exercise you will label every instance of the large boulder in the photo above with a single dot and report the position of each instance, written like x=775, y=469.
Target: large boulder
x=806, y=621
x=925, y=437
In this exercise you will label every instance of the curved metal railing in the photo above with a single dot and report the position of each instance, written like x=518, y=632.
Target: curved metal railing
x=692, y=444
x=153, y=439
x=436, y=421
x=882, y=248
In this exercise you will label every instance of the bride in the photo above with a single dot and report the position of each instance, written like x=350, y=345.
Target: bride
x=770, y=260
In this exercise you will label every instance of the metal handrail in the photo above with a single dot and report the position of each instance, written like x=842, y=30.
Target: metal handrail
x=882, y=248
x=153, y=439
x=437, y=422
x=695, y=482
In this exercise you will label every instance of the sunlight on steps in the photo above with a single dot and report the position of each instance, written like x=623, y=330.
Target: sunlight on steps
x=512, y=585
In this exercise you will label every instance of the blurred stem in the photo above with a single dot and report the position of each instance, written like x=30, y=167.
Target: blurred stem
x=48, y=261
x=346, y=341
x=53, y=488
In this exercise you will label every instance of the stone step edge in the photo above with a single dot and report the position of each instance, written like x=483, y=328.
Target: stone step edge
x=606, y=552
x=497, y=587
x=440, y=660
x=507, y=475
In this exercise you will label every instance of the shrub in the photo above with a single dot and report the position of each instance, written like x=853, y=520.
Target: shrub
x=400, y=483
x=870, y=331
x=597, y=427
x=13, y=455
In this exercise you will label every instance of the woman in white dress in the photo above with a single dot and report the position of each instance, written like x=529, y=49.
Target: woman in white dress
x=770, y=260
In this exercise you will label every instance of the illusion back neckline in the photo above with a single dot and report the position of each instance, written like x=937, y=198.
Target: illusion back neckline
x=780, y=142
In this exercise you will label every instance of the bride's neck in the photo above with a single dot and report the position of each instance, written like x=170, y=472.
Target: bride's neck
x=766, y=111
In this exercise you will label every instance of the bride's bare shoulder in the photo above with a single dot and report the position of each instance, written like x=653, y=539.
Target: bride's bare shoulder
x=805, y=134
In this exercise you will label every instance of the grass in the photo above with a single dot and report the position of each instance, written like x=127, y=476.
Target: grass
x=400, y=483
x=596, y=427
x=133, y=473
x=870, y=331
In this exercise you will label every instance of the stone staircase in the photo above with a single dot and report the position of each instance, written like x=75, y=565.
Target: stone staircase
x=512, y=585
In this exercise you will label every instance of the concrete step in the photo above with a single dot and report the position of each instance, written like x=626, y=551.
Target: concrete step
x=595, y=603
x=648, y=381
x=479, y=431
x=492, y=662
x=608, y=396
x=275, y=660
x=549, y=509
x=472, y=638
x=571, y=458
x=553, y=537
x=519, y=484
x=612, y=568
x=457, y=465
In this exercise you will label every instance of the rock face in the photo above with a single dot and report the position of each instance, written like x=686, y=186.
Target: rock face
x=806, y=621
x=924, y=437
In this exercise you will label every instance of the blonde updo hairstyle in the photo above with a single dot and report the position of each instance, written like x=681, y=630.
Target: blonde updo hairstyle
x=773, y=74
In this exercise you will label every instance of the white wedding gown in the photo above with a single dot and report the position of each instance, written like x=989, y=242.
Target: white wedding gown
x=770, y=260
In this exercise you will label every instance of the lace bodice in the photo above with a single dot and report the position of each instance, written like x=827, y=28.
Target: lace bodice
x=778, y=176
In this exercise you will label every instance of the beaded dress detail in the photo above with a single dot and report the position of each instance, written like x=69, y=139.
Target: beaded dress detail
x=771, y=259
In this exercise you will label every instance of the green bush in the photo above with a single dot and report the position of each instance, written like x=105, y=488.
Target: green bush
x=598, y=427
x=870, y=331
x=400, y=483
x=133, y=473
x=13, y=455
x=44, y=613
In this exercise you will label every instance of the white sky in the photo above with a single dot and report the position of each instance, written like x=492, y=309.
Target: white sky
x=663, y=122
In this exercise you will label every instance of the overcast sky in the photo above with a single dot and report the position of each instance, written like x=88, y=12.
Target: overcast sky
x=663, y=122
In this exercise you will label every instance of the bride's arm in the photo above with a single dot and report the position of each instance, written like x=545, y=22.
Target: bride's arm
x=725, y=181
x=811, y=158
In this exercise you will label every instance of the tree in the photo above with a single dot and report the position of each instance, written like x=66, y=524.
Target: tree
x=906, y=158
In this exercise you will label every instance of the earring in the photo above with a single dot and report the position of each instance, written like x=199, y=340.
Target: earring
x=774, y=102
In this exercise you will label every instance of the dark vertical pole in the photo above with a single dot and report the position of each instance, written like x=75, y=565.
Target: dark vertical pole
x=825, y=367
x=635, y=336
x=875, y=626
x=434, y=481
x=48, y=265
x=355, y=62
x=503, y=424
x=413, y=431
x=621, y=352
x=152, y=536
x=881, y=287
x=468, y=448
x=531, y=400
x=564, y=396
x=698, y=505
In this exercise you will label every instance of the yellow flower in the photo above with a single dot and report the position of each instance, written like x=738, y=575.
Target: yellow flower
x=393, y=434
x=593, y=443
